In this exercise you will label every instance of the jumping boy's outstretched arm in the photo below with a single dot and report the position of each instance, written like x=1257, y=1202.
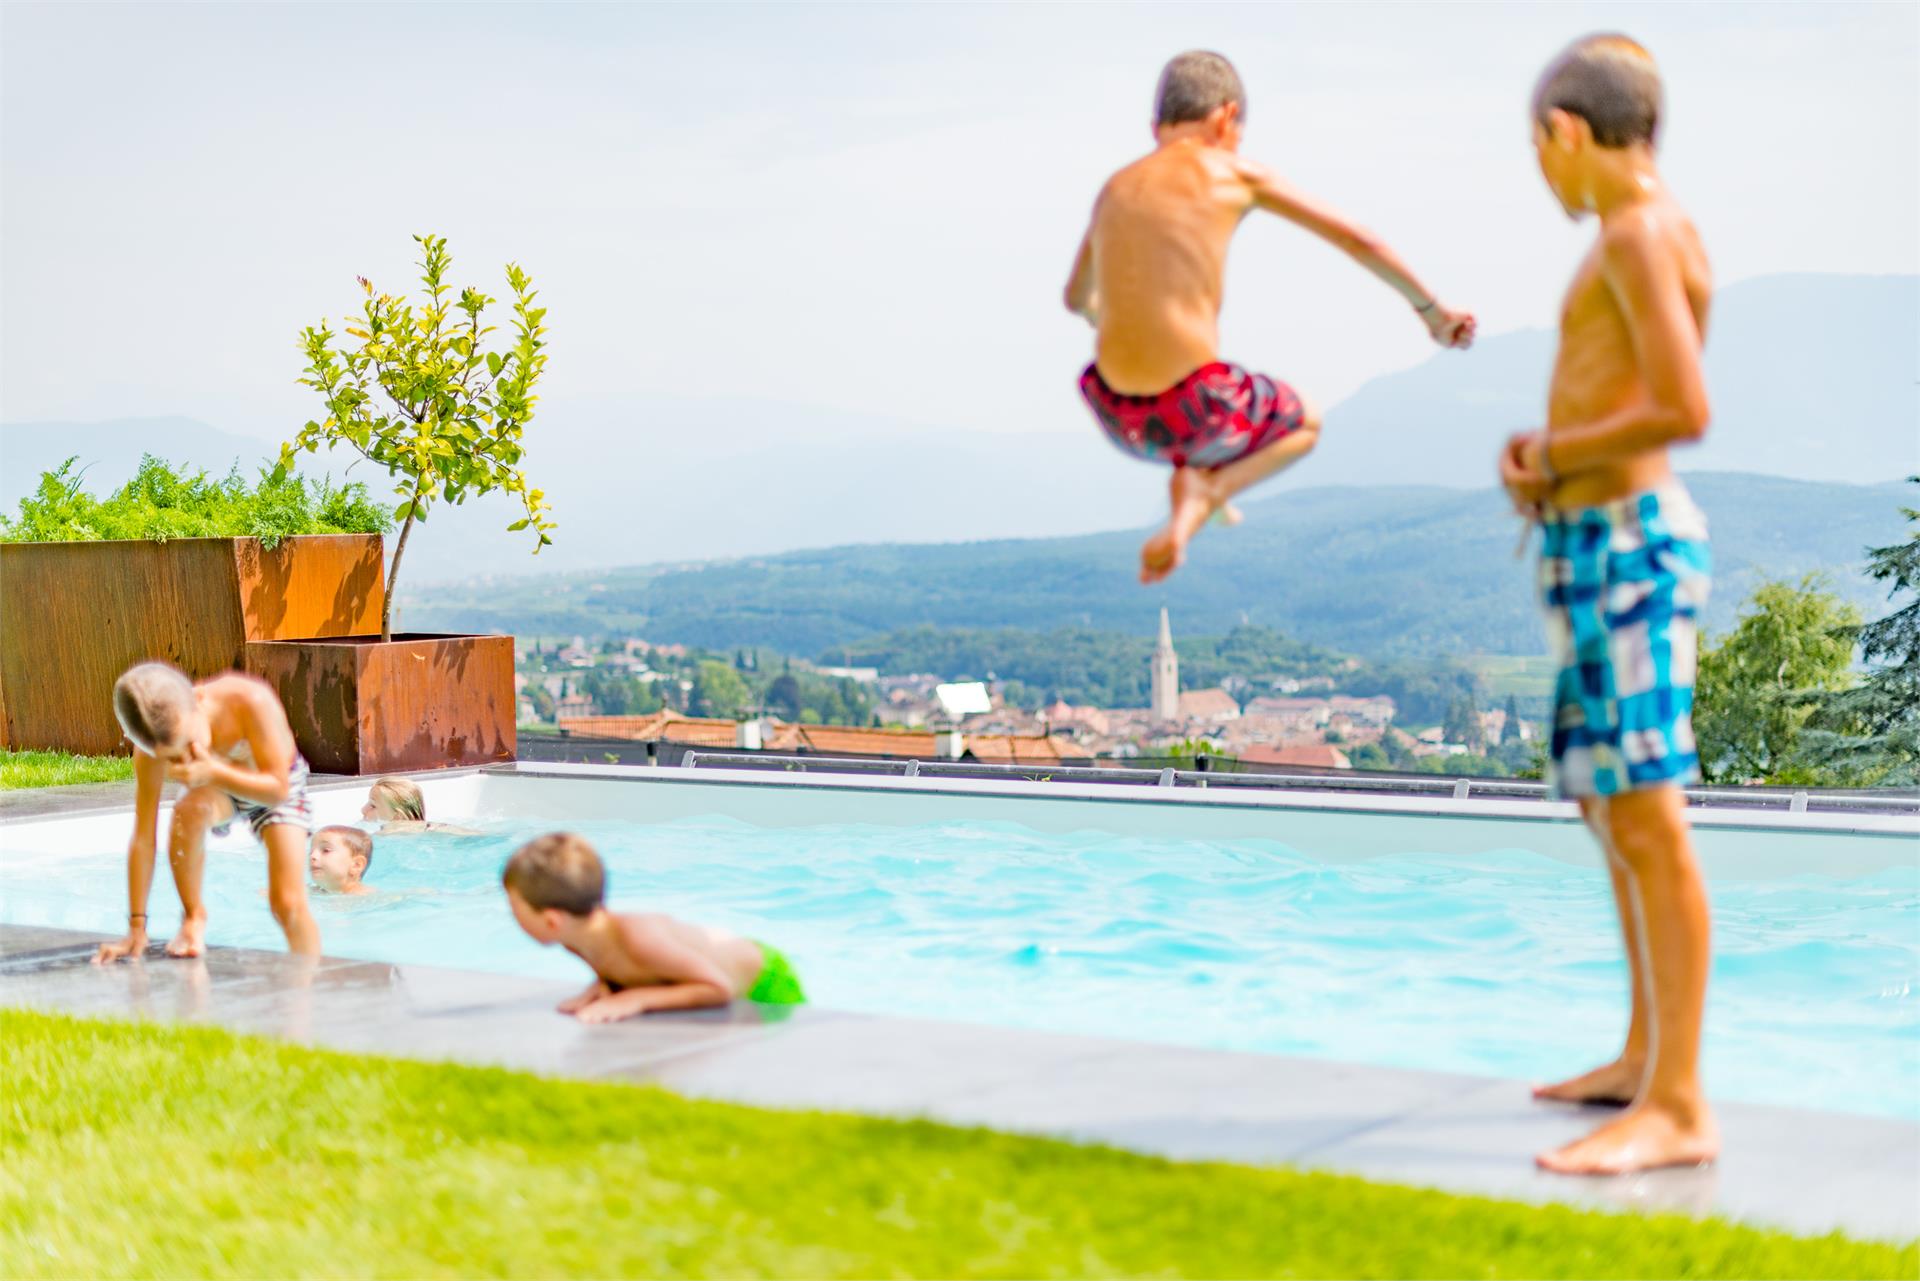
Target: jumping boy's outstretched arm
x=1275, y=195
x=148, y=776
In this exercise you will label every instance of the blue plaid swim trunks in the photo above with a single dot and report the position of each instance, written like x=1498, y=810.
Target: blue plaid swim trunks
x=1623, y=585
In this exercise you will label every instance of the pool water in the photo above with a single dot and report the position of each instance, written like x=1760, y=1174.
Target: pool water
x=1507, y=963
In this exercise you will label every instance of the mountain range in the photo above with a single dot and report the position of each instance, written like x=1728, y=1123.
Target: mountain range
x=1385, y=571
x=1812, y=377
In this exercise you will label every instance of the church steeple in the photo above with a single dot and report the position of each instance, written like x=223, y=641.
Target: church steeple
x=1164, y=678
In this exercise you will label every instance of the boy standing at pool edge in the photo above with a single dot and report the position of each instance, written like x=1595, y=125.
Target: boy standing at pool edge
x=1623, y=574
x=556, y=886
x=227, y=741
x=1149, y=279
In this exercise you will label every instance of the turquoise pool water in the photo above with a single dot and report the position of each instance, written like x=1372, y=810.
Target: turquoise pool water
x=1508, y=963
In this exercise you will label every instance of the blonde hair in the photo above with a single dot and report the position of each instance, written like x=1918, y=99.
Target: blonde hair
x=402, y=796
x=152, y=702
x=557, y=870
x=356, y=841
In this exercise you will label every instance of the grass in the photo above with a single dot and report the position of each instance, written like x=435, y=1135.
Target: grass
x=1529, y=679
x=59, y=769
x=154, y=1150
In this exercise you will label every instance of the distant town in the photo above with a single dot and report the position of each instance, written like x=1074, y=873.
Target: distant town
x=638, y=690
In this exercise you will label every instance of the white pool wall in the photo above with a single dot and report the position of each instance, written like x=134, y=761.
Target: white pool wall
x=1332, y=826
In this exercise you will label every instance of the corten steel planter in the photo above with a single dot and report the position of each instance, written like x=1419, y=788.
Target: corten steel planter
x=73, y=616
x=419, y=701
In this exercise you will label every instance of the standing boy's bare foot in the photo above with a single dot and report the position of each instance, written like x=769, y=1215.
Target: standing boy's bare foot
x=1613, y=1085
x=191, y=939
x=1648, y=1137
x=1195, y=498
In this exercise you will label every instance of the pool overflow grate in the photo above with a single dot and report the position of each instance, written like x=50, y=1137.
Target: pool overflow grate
x=1459, y=789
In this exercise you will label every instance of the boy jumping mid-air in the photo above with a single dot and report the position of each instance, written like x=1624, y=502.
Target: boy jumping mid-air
x=1624, y=574
x=556, y=885
x=1148, y=278
x=226, y=740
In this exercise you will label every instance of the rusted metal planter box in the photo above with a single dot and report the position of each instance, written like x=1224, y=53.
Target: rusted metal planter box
x=419, y=701
x=73, y=616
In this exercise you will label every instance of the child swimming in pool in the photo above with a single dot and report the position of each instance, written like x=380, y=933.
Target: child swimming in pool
x=338, y=860
x=398, y=806
x=1624, y=573
x=556, y=885
x=1148, y=278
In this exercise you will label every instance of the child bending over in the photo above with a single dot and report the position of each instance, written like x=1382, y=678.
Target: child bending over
x=227, y=741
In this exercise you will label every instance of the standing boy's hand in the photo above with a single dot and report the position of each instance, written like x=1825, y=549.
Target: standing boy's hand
x=1527, y=486
x=1450, y=328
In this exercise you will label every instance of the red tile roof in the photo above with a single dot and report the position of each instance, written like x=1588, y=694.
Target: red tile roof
x=1312, y=755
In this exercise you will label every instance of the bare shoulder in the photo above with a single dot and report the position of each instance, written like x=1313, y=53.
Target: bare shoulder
x=644, y=930
x=259, y=698
x=1653, y=232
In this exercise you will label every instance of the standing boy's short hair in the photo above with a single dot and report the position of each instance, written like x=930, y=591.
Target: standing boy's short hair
x=356, y=841
x=1193, y=85
x=558, y=870
x=152, y=702
x=403, y=795
x=1609, y=81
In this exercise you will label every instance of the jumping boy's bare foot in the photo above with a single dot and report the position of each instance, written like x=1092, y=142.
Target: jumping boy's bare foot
x=1612, y=1085
x=191, y=939
x=1195, y=497
x=1648, y=1137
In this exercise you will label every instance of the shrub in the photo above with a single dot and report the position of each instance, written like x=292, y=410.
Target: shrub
x=163, y=502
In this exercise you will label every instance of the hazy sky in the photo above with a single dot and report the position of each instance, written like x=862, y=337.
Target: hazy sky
x=865, y=208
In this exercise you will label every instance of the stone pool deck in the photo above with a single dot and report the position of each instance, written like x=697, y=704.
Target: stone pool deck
x=1810, y=1172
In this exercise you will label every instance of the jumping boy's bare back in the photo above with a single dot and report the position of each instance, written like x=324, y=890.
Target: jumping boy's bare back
x=1149, y=277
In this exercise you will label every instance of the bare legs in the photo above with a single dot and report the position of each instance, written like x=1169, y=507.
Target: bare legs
x=193, y=815
x=1664, y=919
x=1196, y=495
x=1614, y=1083
x=287, y=886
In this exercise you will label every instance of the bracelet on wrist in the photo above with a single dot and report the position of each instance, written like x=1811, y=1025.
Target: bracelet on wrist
x=1546, y=460
x=1430, y=304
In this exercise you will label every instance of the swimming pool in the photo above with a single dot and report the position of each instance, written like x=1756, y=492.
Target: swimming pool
x=1473, y=938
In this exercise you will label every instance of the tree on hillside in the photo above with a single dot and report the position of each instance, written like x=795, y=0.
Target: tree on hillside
x=1510, y=727
x=718, y=691
x=1871, y=732
x=1756, y=684
x=783, y=697
x=1463, y=724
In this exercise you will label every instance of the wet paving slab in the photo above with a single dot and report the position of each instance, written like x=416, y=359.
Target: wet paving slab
x=1807, y=1171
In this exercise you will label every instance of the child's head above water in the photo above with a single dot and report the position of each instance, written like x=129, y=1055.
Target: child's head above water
x=552, y=878
x=156, y=707
x=1200, y=89
x=395, y=800
x=338, y=857
x=1601, y=95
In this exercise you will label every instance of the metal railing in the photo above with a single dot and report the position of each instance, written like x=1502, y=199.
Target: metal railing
x=1455, y=788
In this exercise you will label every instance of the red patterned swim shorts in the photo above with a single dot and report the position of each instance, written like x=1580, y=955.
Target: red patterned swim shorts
x=1216, y=415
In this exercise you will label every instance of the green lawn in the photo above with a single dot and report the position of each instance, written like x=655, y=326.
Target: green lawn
x=57, y=769
x=152, y=1150
x=1530, y=679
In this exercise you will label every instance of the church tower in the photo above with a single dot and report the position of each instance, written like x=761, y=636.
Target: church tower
x=1165, y=679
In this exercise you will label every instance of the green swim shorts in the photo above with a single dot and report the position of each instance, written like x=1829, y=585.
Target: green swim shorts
x=777, y=984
